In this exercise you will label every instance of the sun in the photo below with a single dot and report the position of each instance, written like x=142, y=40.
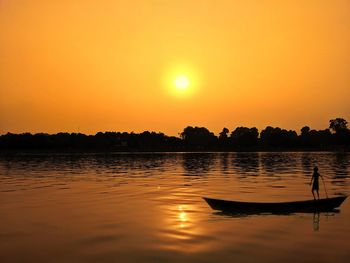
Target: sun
x=182, y=82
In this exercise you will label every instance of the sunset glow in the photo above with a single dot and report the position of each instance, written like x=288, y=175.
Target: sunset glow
x=181, y=82
x=89, y=66
x=174, y=131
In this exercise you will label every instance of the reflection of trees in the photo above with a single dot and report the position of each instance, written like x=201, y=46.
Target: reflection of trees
x=198, y=163
x=70, y=164
x=307, y=163
x=246, y=163
x=278, y=162
x=132, y=161
x=45, y=162
x=224, y=161
x=340, y=163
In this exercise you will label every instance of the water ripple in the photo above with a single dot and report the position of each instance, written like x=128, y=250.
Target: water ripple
x=148, y=207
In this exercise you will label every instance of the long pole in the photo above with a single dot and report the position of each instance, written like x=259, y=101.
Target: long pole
x=324, y=185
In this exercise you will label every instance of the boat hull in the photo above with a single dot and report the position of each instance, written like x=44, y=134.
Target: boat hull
x=309, y=206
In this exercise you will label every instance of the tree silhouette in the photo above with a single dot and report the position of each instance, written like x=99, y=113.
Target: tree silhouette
x=223, y=138
x=244, y=137
x=342, y=133
x=305, y=130
x=191, y=139
x=338, y=124
x=223, y=134
x=277, y=137
x=198, y=138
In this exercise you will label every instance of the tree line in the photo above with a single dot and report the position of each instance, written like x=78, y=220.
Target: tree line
x=335, y=137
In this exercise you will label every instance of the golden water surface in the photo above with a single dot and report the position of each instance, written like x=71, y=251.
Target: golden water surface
x=148, y=207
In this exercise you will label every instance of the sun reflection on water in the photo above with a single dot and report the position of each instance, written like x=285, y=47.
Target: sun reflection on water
x=182, y=216
x=182, y=229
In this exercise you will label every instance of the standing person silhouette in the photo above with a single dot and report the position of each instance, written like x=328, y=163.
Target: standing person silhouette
x=315, y=184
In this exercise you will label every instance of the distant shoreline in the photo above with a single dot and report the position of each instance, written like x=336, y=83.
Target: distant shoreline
x=92, y=152
x=336, y=138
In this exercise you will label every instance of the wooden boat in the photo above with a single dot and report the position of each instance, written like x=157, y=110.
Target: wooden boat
x=308, y=206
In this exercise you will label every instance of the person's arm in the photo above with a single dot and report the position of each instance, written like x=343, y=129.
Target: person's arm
x=312, y=178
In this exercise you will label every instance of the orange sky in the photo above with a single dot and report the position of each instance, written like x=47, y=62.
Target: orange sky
x=93, y=66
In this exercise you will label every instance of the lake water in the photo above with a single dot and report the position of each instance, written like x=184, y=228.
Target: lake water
x=148, y=208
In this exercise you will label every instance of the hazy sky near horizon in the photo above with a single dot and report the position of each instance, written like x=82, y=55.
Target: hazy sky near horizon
x=91, y=66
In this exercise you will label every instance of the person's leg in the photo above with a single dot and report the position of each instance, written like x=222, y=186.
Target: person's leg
x=312, y=191
x=318, y=195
